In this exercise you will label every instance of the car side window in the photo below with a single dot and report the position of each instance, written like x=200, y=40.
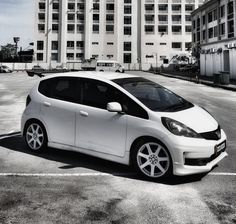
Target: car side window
x=63, y=88
x=99, y=94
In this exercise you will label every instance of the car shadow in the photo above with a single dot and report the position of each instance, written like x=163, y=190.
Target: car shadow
x=75, y=160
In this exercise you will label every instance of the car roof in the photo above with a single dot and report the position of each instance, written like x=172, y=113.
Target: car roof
x=93, y=75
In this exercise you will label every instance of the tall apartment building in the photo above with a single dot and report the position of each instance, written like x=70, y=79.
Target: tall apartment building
x=133, y=32
x=214, y=31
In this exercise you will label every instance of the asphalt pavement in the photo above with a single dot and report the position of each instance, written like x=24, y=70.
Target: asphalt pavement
x=67, y=187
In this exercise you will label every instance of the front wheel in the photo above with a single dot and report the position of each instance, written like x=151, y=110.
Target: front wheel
x=152, y=159
x=36, y=137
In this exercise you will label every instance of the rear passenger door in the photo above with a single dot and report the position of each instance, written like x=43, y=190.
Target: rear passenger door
x=58, y=108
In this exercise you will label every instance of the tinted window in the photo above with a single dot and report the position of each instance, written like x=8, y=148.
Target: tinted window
x=99, y=94
x=152, y=95
x=65, y=89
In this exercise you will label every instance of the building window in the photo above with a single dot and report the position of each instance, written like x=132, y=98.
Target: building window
x=71, y=7
x=54, y=45
x=110, y=28
x=55, y=6
x=110, y=18
x=188, y=46
x=70, y=44
x=194, y=24
x=203, y=20
x=149, y=18
x=203, y=34
x=127, y=46
x=95, y=28
x=176, y=29
x=127, y=20
x=127, y=9
x=210, y=33
x=127, y=1
x=79, y=55
x=110, y=7
x=70, y=56
x=230, y=7
x=42, y=6
x=127, y=58
x=55, y=28
x=71, y=17
x=210, y=17
x=176, y=19
x=176, y=45
x=215, y=31
x=39, y=56
x=79, y=44
x=163, y=18
x=162, y=7
x=188, y=18
x=189, y=8
x=222, y=29
x=96, y=7
x=162, y=29
x=80, y=6
x=41, y=17
x=70, y=28
x=162, y=43
x=198, y=36
x=230, y=28
x=149, y=29
x=188, y=29
x=127, y=30
x=41, y=28
x=214, y=14
x=149, y=7
x=176, y=7
x=95, y=17
x=55, y=17
x=94, y=43
x=110, y=43
x=54, y=56
x=149, y=43
x=80, y=28
x=40, y=45
x=110, y=56
x=222, y=11
x=80, y=17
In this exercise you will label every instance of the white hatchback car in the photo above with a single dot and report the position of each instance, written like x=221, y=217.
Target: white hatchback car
x=125, y=119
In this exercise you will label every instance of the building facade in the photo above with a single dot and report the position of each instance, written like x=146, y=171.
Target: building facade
x=136, y=33
x=214, y=33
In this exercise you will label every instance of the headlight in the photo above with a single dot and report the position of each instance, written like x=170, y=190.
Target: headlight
x=178, y=128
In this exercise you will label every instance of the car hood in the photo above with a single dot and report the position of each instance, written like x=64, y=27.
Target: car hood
x=195, y=118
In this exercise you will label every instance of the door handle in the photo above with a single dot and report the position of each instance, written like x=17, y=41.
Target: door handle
x=47, y=104
x=83, y=113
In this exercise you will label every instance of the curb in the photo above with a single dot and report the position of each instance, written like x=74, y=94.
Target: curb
x=10, y=134
x=200, y=82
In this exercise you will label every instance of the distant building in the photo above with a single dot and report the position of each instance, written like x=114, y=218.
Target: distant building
x=137, y=33
x=214, y=31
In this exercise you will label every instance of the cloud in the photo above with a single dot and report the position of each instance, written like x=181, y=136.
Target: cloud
x=16, y=19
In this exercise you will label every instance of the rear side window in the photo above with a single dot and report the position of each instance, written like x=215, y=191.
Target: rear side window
x=63, y=88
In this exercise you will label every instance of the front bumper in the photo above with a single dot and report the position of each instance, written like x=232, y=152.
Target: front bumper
x=202, y=154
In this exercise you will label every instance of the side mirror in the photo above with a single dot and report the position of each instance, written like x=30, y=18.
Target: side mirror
x=114, y=107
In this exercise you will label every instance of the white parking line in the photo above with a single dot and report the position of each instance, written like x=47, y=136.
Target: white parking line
x=87, y=174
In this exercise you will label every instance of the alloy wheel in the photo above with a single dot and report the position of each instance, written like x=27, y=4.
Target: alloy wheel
x=153, y=159
x=35, y=136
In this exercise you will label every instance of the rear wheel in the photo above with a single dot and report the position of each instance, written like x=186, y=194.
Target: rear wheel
x=35, y=136
x=152, y=159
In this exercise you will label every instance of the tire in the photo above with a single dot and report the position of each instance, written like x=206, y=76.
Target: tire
x=118, y=71
x=101, y=71
x=36, y=136
x=151, y=159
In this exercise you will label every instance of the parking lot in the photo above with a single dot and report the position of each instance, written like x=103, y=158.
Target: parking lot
x=67, y=187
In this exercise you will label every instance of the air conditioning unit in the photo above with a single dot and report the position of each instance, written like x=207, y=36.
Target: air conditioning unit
x=233, y=45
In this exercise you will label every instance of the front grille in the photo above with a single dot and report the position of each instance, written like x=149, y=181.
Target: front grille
x=212, y=135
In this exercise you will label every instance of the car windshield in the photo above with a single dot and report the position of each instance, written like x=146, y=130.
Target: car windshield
x=152, y=95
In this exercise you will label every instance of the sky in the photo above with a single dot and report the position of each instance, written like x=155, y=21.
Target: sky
x=16, y=20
